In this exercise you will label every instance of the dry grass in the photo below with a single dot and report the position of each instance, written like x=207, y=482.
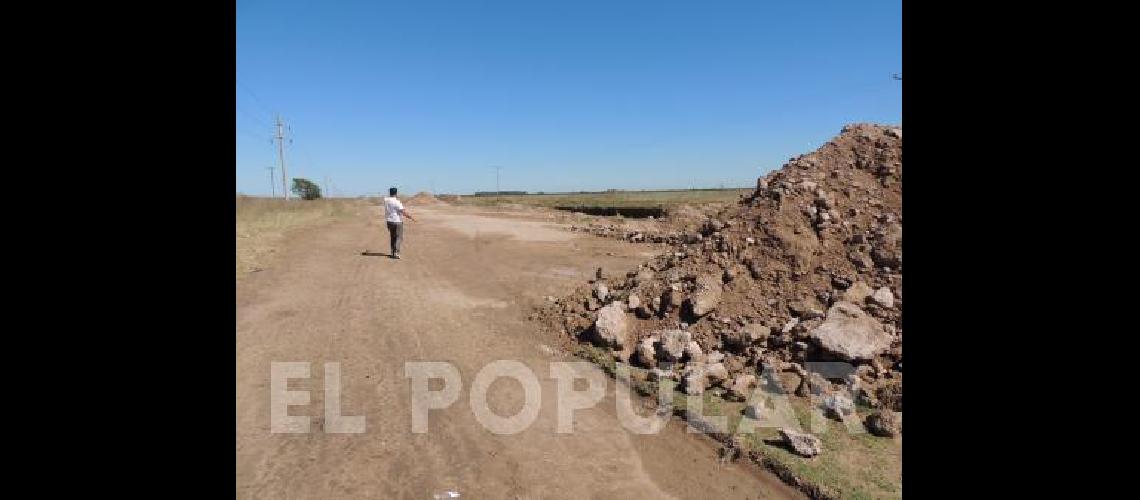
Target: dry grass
x=641, y=199
x=854, y=465
x=263, y=222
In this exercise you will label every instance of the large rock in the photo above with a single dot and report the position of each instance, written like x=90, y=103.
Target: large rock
x=695, y=379
x=673, y=343
x=612, y=327
x=838, y=406
x=706, y=297
x=857, y=293
x=850, y=333
x=673, y=299
x=647, y=353
x=741, y=386
x=805, y=445
x=601, y=291
x=755, y=333
x=716, y=372
x=693, y=351
x=817, y=384
x=755, y=411
x=883, y=423
x=634, y=302
x=883, y=297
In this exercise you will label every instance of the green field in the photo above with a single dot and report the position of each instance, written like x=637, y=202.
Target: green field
x=640, y=199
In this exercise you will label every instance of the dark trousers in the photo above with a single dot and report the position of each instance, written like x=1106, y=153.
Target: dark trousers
x=396, y=232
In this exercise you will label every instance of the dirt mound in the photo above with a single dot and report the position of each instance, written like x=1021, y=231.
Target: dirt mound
x=807, y=268
x=423, y=198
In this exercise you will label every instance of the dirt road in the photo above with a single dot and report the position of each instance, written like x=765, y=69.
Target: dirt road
x=460, y=294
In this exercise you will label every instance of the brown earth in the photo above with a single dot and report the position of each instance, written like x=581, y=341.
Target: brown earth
x=461, y=293
x=423, y=198
x=782, y=258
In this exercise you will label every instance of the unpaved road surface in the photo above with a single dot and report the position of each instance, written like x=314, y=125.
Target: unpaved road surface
x=460, y=294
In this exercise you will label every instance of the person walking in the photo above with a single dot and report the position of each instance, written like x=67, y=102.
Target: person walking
x=394, y=214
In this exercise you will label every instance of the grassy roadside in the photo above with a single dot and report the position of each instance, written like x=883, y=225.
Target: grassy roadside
x=854, y=464
x=262, y=223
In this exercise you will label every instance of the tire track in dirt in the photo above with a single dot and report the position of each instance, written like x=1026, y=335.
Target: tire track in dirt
x=457, y=296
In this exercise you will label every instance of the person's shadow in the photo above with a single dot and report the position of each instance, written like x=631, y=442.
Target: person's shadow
x=374, y=254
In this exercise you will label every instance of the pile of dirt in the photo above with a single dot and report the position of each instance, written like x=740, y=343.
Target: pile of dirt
x=807, y=268
x=423, y=198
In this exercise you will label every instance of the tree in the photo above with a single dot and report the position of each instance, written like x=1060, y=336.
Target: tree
x=306, y=189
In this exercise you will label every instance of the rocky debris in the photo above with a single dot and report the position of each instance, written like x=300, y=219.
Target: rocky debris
x=883, y=423
x=816, y=384
x=706, y=297
x=754, y=268
x=857, y=293
x=883, y=297
x=693, y=352
x=673, y=299
x=756, y=333
x=742, y=386
x=634, y=302
x=695, y=380
x=657, y=374
x=601, y=291
x=645, y=311
x=890, y=395
x=647, y=352
x=811, y=253
x=673, y=343
x=804, y=389
x=755, y=411
x=803, y=444
x=851, y=334
x=838, y=406
x=716, y=372
x=792, y=323
x=611, y=327
x=735, y=341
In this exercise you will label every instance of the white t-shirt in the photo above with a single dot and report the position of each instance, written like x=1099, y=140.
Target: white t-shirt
x=392, y=207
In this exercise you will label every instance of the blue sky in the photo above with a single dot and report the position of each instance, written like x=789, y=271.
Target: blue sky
x=563, y=95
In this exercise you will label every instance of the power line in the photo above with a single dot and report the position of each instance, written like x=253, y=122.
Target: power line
x=255, y=99
x=251, y=134
x=251, y=115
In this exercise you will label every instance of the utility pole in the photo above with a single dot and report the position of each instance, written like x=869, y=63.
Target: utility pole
x=281, y=154
x=327, y=193
x=498, y=190
x=272, y=188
